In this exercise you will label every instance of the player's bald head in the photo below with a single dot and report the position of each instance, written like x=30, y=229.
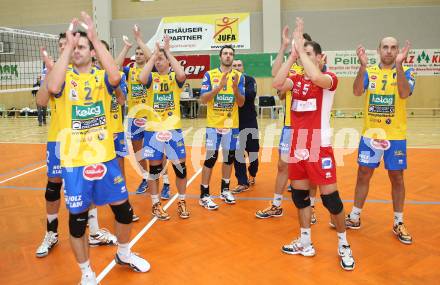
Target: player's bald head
x=388, y=41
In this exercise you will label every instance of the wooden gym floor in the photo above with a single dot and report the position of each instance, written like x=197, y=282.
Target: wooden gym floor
x=228, y=246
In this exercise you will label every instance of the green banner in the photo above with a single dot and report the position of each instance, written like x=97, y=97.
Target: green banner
x=256, y=65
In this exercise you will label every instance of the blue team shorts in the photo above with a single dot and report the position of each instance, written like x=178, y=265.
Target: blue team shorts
x=169, y=142
x=100, y=184
x=371, y=151
x=227, y=138
x=285, y=141
x=136, y=128
x=120, y=144
x=53, y=159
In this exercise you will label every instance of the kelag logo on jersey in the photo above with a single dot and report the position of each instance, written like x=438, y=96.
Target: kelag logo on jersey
x=383, y=100
x=94, y=171
x=86, y=117
x=137, y=90
x=226, y=30
x=163, y=101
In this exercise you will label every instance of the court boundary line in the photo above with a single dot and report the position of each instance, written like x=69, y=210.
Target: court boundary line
x=21, y=174
x=145, y=229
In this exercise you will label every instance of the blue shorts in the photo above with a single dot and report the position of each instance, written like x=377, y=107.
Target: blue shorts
x=100, y=184
x=120, y=144
x=136, y=128
x=170, y=142
x=228, y=138
x=371, y=151
x=53, y=159
x=285, y=141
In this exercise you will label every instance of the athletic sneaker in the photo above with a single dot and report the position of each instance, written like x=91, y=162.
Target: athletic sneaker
x=135, y=218
x=142, y=187
x=165, y=193
x=313, y=219
x=89, y=279
x=289, y=188
x=159, y=212
x=347, y=260
x=296, y=247
x=251, y=181
x=135, y=262
x=102, y=237
x=227, y=197
x=49, y=241
x=352, y=223
x=207, y=203
x=182, y=210
x=271, y=211
x=240, y=189
x=402, y=233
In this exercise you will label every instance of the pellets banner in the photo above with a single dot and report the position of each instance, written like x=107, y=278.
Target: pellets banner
x=204, y=32
x=426, y=62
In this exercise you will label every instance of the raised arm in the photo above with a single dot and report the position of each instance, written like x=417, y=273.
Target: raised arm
x=56, y=78
x=43, y=93
x=312, y=71
x=146, y=71
x=358, y=84
x=281, y=81
x=175, y=65
x=104, y=56
x=140, y=42
x=208, y=92
x=280, y=56
x=403, y=86
x=123, y=54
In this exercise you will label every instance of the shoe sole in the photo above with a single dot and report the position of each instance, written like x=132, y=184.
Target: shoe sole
x=138, y=193
x=161, y=218
x=135, y=220
x=230, y=203
x=297, y=253
x=120, y=262
x=184, y=217
x=347, y=268
x=402, y=241
x=164, y=198
x=101, y=244
x=270, y=216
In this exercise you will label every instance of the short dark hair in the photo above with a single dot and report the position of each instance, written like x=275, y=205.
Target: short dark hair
x=105, y=44
x=164, y=53
x=61, y=36
x=307, y=37
x=316, y=47
x=226, y=46
x=84, y=35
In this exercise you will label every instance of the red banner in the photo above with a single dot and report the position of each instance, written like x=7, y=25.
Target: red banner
x=195, y=66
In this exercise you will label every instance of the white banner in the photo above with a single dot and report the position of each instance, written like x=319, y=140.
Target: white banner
x=204, y=32
x=426, y=62
x=19, y=73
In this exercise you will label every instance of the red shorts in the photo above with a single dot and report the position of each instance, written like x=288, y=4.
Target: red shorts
x=319, y=167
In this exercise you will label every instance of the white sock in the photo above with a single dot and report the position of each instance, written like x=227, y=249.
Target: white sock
x=145, y=176
x=85, y=268
x=312, y=201
x=306, y=236
x=182, y=196
x=277, y=199
x=93, y=221
x=52, y=217
x=165, y=179
x=205, y=186
x=398, y=218
x=124, y=250
x=155, y=198
x=342, y=239
x=355, y=213
x=226, y=180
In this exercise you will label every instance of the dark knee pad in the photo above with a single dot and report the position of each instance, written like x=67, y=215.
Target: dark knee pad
x=333, y=203
x=78, y=224
x=53, y=191
x=301, y=198
x=211, y=158
x=230, y=157
x=180, y=170
x=155, y=171
x=123, y=213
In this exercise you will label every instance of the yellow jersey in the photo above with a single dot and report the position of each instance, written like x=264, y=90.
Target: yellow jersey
x=385, y=111
x=116, y=109
x=136, y=94
x=163, y=102
x=222, y=109
x=83, y=113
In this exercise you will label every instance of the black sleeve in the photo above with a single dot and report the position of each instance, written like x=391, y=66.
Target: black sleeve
x=250, y=88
